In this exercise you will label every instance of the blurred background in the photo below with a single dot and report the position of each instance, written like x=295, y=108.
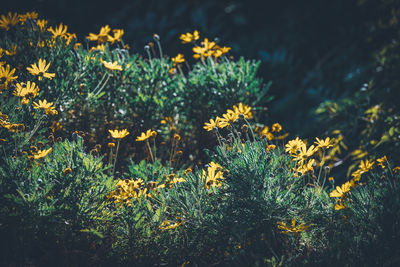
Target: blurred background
x=312, y=51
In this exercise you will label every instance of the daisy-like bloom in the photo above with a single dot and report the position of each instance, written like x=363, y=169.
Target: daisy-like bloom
x=276, y=127
x=228, y=118
x=42, y=24
x=27, y=15
x=12, y=127
x=324, y=144
x=213, y=175
x=365, y=166
x=382, y=161
x=209, y=126
x=42, y=153
x=219, y=51
x=304, y=153
x=6, y=76
x=341, y=191
x=46, y=106
x=205, y=50
x=12, y=51
x=41, y=70
x=67, y=171
x=172, y=71
x=146, y=135
x=29, y=90
x=59, y=31
x=103, y=35
x=396, y=169
x=270, y=147
x=9, y=20
x=340, y=204
x=287, y=229
x=244, y=110
x=168, y=225
x=119, y=134
x=178, y=59
x=111, y=65
x=293, y=146
x=118, y=33
x=188, y=37
x=307, y=167
x=100, y=47
x=265, y=132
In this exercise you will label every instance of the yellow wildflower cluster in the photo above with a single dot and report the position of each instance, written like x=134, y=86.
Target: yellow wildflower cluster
x=342, y=192
x=208, y=49
x=26, y=91
x=46, y=106
x=270, y=133
x=302, y=155
x=129, y=189
x=169, y=225
x=104, y=35
x=59, y=32
x=287, y=229
x=189, y=37
x=214, y=175
x=12, y=127
x=229, y=117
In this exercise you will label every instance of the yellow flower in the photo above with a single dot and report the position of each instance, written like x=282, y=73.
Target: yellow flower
x=172, y=71
x=9, y=20
x=147, y=135
x=213, y=175
x=41, y=69
x=12, y=127
x=228, y=118
x=305, y=168
x=205, y=50
x=118, y=33
x=46, y=106
x=168, y=225
x=245, y=110
x=67, y=171
x=327, y=143
x=340, y=205
x=293, y=146
x=111, y=145
x=102, y=37
x=270, y=147
x=178, y=59
x=12, y=51
x=212, y=124
x=188, y=37
x=42, y=24
x=286, y=229
x=304, y=153
x=276, y=127
x=29, y=90
x=59, y=31
x=396, y=169
x=100, y=47
x=6, y=76
x=111, y=65
x=219, y=51
x=365, y=166
x=340, y=191
x=42, y=153
x=27, y=15
x=382, y=161
x=119, y=134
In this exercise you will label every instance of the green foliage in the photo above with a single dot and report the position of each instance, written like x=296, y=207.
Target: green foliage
x=44, y=207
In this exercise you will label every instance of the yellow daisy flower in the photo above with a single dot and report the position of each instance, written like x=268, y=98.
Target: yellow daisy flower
x=41, y=69
x=146, y=135
x=119, y=134
x=111, y=65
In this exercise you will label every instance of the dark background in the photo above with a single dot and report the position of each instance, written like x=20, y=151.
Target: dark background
x=312, y=50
